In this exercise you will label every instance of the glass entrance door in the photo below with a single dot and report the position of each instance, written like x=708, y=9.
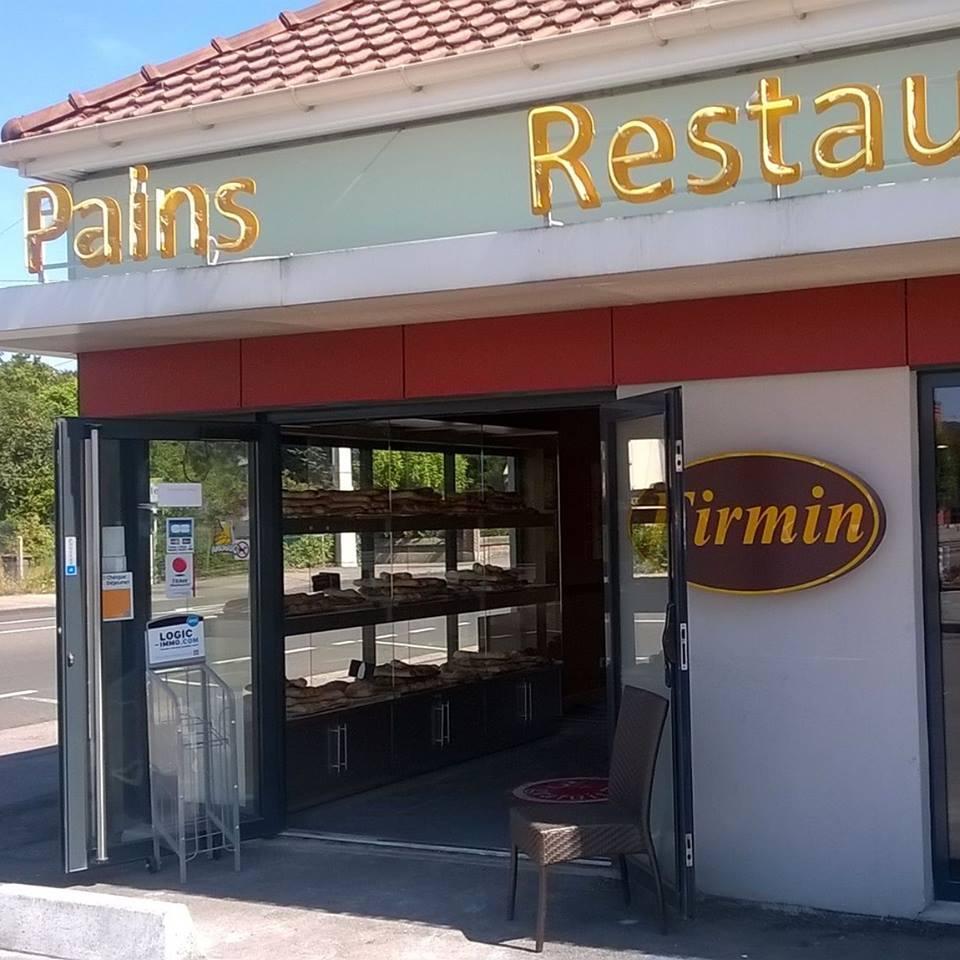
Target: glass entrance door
x=647, y=603
x=157, y=518
x=940, y=502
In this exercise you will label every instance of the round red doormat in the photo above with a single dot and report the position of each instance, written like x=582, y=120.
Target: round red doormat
x=567, y=790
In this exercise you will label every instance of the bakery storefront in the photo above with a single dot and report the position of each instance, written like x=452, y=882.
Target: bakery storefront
x=451, y=426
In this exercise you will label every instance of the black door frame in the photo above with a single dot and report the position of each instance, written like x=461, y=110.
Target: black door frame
x=267, y=640
x=263, y=429
x=667, y=403
x=946, y=881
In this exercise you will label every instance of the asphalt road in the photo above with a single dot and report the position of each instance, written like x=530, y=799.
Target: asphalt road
x=28, y=670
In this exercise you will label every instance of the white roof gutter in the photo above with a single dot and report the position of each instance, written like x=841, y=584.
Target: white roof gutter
x=715, y=35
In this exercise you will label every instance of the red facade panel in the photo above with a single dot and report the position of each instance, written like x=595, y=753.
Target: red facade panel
x=336, y=366
x=539, y=352
x=800, y=331
x=179, y=378
x=839, y=328
x=933, y=321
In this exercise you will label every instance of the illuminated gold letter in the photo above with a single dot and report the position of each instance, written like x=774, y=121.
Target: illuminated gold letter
x=868, y=129
x=663, y=149
x=246, y=220
x=199, y=205
x=36, y=232
x=700, y=536
x=138, y=233
x=921, y=147
x=727, y=516
x=854, y=517
x=726, y=154
x=95, y=246
x=770, y=109
x=568, y=158
x=771, y=518
x=810, y=532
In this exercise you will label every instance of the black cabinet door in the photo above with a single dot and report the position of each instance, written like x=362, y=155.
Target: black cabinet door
x=309, y=757
x=365, y=742
x=545, y=703
x=437, y=728
x=465, y=722
x=337, y=753
x=523, y=707
x=418, y=733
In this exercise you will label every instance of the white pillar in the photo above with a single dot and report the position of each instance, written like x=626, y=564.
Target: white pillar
x=346, y=542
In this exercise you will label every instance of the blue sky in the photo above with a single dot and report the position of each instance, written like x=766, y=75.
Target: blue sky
x=53, y=47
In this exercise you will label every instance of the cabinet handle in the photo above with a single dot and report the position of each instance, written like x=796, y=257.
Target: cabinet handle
x=440, y=723
x=525, y=700
x=436, y=723
x=333, y=748
x=337, y=744
x=346, y=739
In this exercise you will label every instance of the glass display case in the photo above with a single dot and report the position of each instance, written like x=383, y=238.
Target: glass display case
x=422, y=598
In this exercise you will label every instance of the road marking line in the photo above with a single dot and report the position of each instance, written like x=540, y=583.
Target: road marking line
x=39, y=699
x=308, y=649
x=343, y=643
x=17, y=693
x=220, y=663
x=422, y=630
x=6, y=623
x=29, y=629
x=415, y=646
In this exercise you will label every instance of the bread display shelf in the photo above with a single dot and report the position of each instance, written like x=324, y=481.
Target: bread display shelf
x=399, y=522
x=440, y=687
x=368, y=743
x=422, y=610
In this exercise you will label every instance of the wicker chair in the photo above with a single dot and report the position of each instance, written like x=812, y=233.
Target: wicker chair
x=556, y=833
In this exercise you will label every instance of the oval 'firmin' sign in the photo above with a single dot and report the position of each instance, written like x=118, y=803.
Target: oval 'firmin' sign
x=774, y=522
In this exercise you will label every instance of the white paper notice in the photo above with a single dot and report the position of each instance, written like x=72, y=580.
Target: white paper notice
x=176, y=494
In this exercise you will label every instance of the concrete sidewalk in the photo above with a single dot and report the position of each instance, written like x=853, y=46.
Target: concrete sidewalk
x=307, y=900
x=27, y=601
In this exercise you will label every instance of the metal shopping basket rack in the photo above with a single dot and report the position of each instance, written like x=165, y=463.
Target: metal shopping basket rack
x=194, y=783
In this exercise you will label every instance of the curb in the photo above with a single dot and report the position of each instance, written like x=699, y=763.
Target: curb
x=79, y=925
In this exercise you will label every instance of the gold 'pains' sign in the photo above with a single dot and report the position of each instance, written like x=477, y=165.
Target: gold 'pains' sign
x=101, y=242
x=769, y=108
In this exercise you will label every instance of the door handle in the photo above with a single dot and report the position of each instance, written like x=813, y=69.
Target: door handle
x=669, y=643
x=71, y=659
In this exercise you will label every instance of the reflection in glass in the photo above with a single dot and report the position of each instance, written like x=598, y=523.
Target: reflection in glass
x=947, y=433
x=644, y=592
x=223, y=546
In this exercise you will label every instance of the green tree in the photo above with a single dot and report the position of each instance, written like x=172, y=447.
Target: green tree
x=33, y=395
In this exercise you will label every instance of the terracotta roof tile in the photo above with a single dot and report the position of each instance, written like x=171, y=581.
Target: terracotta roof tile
x=333, y=38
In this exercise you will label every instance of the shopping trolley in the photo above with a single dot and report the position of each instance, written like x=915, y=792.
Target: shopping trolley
x=194, y=783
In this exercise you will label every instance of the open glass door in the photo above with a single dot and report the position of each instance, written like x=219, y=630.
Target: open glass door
x=160, y=517
x=646, y=612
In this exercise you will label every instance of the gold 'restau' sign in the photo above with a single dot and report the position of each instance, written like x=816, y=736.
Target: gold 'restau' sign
x=102, y=243
x=561, y=134
x=760, y=523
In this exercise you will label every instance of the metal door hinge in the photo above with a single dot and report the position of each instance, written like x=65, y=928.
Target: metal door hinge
x=678, y=456
x=684, y=648
x=688, y=846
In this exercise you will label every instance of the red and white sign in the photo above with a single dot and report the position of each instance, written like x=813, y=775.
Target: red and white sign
x=179, y=578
